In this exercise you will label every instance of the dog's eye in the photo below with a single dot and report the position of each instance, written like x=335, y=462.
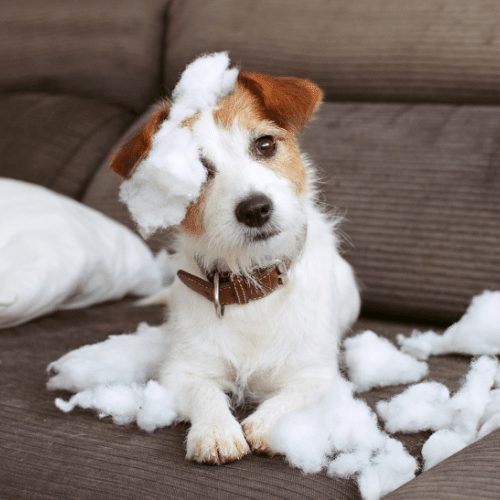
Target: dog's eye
x=209, y=168
x=265, y=146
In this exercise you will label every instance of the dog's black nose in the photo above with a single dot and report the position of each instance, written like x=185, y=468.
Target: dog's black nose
x=255, y=210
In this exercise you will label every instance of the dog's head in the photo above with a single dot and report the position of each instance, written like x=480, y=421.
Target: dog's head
x=252, y=207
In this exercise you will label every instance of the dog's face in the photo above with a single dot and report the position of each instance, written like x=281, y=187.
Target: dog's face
x=252, y=207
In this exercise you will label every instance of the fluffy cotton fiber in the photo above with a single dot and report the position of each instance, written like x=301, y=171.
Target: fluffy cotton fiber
x=344, y=427
x=122, y=359
x=114, y=378
x=477, y=332
x=170, y=178
x=373, y=361
x=150, y=405
x=456, y=420
x=423, y=406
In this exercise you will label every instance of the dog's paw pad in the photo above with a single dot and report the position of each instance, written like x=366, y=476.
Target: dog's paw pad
x=216, y=445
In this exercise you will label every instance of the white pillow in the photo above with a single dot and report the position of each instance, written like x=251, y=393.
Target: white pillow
x=56, y=253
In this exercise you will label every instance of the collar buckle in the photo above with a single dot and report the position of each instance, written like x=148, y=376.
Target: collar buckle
x=282, y=270
x=219, y=308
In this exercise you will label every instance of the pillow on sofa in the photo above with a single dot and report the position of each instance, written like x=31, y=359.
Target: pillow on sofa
x=56, y=253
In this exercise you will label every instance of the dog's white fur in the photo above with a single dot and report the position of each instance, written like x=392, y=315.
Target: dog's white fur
x=281, y=350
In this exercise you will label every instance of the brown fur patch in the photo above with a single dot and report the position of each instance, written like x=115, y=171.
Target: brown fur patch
x=289, y=102
x=290, y=165
x=189, y=122
x=130, y=154
x=245, y=108
x=193, y=222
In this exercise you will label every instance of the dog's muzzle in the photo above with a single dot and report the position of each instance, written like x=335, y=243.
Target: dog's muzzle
x=226, y=288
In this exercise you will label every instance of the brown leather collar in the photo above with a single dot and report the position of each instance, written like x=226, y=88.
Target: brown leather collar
x=226, y=289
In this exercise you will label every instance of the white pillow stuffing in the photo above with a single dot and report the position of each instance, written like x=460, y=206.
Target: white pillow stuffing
x=56, y=253
x=116, y=379
x=456, y=420
x=421, y=407
x=171, y=176
x=372, y=361
x=477, y=332
x=150, y=405
x=343, y=427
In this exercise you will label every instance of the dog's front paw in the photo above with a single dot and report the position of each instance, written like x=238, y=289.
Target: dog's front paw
x=216, y=443
x=257, y=432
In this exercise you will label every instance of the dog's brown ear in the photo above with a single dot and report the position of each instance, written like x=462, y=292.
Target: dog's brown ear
x=287, y=101
x=126, y=159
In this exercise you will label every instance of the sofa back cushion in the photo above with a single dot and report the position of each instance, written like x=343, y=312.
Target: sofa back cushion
x=419, y=50
x=57, y=141
x=419, y=188
x=109, y=50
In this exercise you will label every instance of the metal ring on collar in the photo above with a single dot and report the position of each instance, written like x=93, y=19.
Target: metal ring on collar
x=218, y=307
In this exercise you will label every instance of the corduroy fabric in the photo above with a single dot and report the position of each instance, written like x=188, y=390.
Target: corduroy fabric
x=48, y=454
x=57, y=141
x=109, y=50
x=469, y=474
x=426, y=50
x=419, y=187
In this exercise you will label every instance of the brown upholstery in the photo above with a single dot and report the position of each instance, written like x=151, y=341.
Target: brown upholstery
x=106, y=50
x=398, y=50
x=408, y=145
x=49, y=454
x=58, y=141
x=419, y=187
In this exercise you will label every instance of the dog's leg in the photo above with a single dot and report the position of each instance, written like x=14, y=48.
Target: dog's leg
x=294, y=396
x=215, y=435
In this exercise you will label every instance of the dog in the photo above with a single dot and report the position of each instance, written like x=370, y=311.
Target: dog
x=262, y=295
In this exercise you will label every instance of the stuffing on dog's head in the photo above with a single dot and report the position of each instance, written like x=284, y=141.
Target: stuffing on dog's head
x=234, y=177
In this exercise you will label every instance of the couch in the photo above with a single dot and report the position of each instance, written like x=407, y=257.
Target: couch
x=408, y=145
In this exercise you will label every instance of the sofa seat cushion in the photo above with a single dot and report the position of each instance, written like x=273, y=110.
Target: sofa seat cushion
x=57, y=141
x=49, y=454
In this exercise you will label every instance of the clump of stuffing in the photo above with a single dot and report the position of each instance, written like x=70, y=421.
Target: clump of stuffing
x=490, y=421
x=115, y=379
x=345, y=428
x=372, y=361
x=456, y=420
x=171, y=176
x=477, y=332
x=467, y=406
x=150, y=405
x=423, y=406
x=123, y=359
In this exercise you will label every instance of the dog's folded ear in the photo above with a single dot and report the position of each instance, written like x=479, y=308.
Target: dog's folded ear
x=135, y=149
x=287, y=101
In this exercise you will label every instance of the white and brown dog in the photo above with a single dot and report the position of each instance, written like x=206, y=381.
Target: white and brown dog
x=262, y=296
